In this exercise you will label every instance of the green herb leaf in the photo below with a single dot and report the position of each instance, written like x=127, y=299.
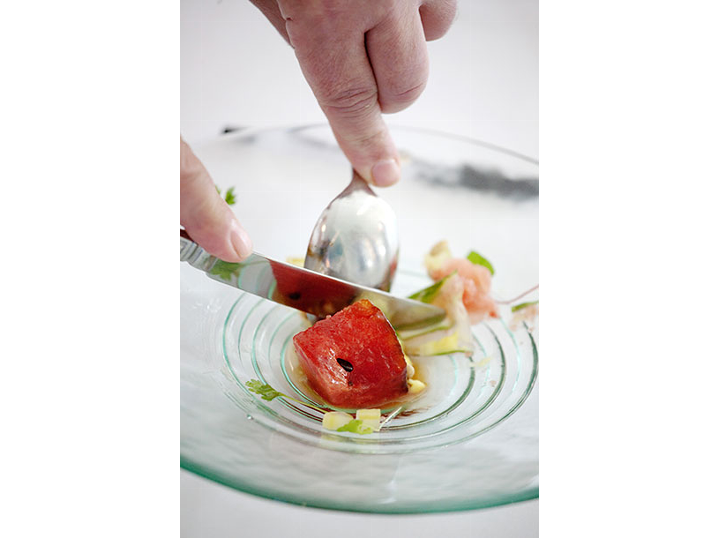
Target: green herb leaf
x=225, y=270
x=356, y=426
x=230, y=196
x=428, y=294
x=523, y=305
x=263, y=389
x=268, y=393
x=479, y=260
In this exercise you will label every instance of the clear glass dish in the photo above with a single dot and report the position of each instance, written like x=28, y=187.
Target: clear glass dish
x=470, y=441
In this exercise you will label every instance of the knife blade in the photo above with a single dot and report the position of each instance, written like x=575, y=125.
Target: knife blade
x=296, y=287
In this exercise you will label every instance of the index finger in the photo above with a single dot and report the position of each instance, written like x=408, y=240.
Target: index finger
x=334, y=61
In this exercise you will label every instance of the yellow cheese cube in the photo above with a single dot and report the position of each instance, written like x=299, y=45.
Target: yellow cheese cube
x=335, y=419
x=370, y=417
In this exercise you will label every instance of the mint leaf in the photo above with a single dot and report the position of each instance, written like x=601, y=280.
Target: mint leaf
x=263, y=389
x=523, y=305
x=477, y=259
x=225, y=270
x=356, y=426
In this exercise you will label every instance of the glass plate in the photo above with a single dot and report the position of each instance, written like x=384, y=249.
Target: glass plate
x=471, y=440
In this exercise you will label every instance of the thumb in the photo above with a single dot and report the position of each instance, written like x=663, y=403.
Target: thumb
x=205, y=215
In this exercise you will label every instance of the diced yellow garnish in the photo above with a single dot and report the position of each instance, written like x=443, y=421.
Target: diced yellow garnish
x=300, y=262
x=438, y=255
x=415, y=386
x=410, y=367
x=370, y=417
x=333, y=420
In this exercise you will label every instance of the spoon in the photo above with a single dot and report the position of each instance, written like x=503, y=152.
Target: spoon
x=356, y=238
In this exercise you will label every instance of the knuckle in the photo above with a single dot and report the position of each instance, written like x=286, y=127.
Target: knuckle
x=395, y=100
x=353, y=102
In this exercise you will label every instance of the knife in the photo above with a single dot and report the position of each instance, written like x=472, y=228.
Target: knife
x=311, y=292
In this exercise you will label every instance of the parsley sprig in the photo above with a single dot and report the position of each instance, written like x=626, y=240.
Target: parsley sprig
x=268, y=393
x=356, y=426
x=225, y=270
x=229, y=195
x=263, y=389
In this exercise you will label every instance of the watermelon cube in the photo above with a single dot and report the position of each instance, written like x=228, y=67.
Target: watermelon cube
x=353, y=359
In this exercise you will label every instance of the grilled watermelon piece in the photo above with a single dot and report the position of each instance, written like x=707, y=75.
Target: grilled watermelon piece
x=353, y=359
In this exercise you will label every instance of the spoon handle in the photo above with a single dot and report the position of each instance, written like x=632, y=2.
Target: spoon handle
x=357, y=183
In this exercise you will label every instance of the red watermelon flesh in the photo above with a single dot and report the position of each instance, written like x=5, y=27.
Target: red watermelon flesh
x=353, y=359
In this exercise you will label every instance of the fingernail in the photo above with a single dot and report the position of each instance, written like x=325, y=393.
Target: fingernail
x=240, y=240
x=385, y=173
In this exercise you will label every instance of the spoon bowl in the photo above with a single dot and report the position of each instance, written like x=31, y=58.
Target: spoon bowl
x=356, y=238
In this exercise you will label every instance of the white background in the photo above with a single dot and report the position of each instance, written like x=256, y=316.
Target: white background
x=236, y=70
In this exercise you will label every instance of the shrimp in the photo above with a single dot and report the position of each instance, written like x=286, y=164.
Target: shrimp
x=477, y=280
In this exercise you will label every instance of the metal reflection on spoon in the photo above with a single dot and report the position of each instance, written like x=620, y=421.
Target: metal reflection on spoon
x=356, y=238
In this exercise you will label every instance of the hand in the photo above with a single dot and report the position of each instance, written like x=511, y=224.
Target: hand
x=362, y=58
x=205, y=215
